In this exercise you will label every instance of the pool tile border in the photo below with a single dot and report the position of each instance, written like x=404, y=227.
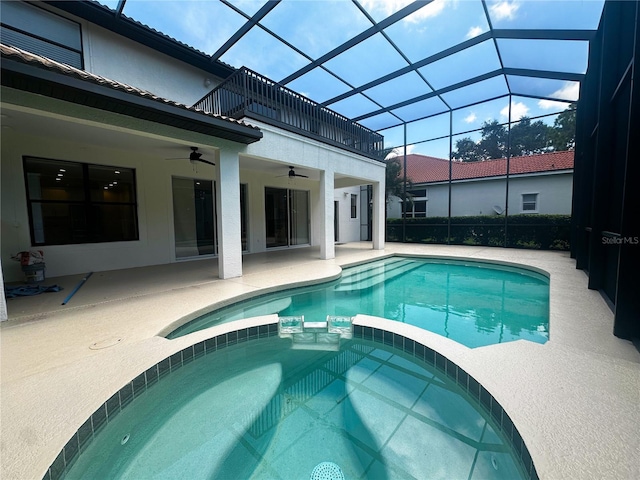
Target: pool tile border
x=123, y=397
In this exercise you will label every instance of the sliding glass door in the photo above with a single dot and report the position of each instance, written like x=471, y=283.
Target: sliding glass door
x=193, y=217
x=287, y=217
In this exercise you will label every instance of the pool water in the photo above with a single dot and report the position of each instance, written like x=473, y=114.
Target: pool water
x=263, y=410
x=473, y=303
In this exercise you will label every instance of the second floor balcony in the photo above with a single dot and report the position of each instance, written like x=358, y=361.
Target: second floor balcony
x=249, y=94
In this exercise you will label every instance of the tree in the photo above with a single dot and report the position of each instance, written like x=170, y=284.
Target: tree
x=394, y=180
x=526, y=138
x=563, y=133
x=466, y=150
x=529, y=138
x=494, y=140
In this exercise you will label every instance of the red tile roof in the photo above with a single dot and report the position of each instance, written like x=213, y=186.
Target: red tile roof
x=425, y=169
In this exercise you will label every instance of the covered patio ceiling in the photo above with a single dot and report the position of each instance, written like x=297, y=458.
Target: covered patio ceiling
x=413, y=71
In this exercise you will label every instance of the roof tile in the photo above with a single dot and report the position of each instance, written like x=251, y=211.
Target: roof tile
x=14, y=53
x=426, y=169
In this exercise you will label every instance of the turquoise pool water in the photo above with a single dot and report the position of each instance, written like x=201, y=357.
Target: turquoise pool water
x=262, y=410
x=473, y=303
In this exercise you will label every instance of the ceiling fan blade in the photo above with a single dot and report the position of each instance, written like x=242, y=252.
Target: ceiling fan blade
x=205, y=161
x=298, y=175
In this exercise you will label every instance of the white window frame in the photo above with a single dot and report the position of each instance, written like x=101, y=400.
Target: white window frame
x=523, y=202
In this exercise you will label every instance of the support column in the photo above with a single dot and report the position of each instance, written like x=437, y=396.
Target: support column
x=378, y=220
x=228, y=215
x=327, y=240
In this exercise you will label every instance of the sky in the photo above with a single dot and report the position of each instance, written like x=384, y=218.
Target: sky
x=297, y=32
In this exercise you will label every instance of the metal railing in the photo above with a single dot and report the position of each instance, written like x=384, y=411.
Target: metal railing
x=249, y=94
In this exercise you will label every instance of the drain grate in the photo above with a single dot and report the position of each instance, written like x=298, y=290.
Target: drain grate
x=327, y=471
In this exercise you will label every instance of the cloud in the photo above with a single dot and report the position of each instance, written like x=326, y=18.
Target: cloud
x=570, y=92
x=470, y=118
x=518, y=110
x=504, y=10
x=474, y=32
x=388, y=7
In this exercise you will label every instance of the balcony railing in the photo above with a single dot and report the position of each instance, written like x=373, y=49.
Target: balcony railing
x=249, y=94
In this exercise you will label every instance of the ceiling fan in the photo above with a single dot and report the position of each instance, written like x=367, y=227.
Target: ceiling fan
x=195, y=156
x=292, y=173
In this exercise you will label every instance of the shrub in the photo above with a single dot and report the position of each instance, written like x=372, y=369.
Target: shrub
x=546, y=232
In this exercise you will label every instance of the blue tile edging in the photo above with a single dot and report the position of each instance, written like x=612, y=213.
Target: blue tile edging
x=474, y=389
x=123, y=397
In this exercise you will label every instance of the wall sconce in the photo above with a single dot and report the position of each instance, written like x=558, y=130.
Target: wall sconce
x=207, y=82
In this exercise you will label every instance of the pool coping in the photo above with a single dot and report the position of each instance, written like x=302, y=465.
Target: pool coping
x=375, y=329
x=575, y=399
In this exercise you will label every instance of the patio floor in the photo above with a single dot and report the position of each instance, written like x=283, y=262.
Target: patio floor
x=575, y=399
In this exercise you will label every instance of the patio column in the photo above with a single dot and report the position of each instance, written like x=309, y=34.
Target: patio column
x=327, y=242
x=228, y=215
x=378, y=220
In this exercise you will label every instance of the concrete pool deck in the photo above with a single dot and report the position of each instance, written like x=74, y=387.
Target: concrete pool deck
x=575, y=399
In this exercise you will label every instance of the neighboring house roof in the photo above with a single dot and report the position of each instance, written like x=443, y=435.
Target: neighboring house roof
x=17, y=65
x=425, y=169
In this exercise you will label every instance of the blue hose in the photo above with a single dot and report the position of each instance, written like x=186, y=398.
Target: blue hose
x=85, y=278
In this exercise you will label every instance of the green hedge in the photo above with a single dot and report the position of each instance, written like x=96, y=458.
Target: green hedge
x=545, y=232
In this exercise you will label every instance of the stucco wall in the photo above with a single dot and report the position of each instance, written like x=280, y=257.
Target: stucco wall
x=118, y=58
x=156, y=244
x=480, y=196
x=155, y=211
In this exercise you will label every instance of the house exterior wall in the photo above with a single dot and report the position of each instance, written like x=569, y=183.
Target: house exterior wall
x=125, y=61
x=287, y=148
x=141, y=66
x=478, y=197
x=153, y=196
x=156, y=244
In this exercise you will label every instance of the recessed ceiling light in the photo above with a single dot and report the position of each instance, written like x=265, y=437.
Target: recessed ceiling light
x=106, y=188
x=58, y=179
x=62, y=170
x=117, y=172
x=61, y=174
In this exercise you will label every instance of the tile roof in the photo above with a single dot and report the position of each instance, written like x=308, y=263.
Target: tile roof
x=13, y=53
x=425, y=169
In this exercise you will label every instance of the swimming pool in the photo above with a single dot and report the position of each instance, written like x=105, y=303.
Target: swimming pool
x=260, y=409
x=473, y=303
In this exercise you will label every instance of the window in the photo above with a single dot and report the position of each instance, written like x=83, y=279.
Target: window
x=415, y=209
x=422, y=192
x=72, y=203
x=530, y=202
x=354, y=206
x=38, y=31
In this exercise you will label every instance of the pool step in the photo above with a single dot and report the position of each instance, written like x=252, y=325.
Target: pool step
x=373, y=275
